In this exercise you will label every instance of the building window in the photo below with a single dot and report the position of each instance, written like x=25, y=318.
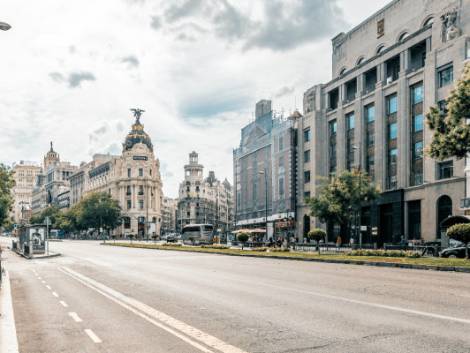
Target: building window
x=127, y=222
x=391, y=104
x=307, y=176
x=141, y=190
x=333, y=98
x=351, y=90
x=445, y=75
x=445, y=170
x=332, y=126
x=141, y=172
x=392, y=168
x=306, y=195
x=350, y=123
x=416, y=169
x=281, y=143
x=307, y=135
x=281, y=187
x=128, y=191
x=392, y=131
x=128, y=172
x=141, y=204
x=307, y=156
x=369, y=117
x=129, y=204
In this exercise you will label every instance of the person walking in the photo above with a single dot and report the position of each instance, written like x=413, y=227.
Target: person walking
x=338, y=242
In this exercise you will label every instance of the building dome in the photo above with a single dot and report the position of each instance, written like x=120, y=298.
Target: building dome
x=137, y=134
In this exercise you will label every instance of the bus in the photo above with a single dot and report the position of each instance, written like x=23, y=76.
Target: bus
x=198, y=233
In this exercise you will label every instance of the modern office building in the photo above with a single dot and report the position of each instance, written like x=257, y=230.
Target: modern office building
x=204, y=200
x=265, y=167
x=386, y=74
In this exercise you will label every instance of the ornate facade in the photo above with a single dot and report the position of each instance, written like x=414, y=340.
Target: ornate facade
x=204, y=201
x=24, y=174
x=132, y=178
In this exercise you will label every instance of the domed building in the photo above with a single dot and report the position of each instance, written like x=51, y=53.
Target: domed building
x=133, y=178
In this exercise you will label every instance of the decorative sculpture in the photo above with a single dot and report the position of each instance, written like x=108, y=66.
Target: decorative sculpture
x=449, y=25
x=137, y=114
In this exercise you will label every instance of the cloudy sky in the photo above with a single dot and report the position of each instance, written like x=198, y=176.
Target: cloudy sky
x=70, y=71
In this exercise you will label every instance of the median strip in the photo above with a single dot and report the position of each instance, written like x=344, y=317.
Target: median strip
x=423, y=263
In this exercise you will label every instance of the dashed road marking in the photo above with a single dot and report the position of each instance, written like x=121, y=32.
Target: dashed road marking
x=75, y=316
x=182, y=330
x=55, y=294
x=92, y=336
x=39, y=277
x=43, y=282
x=48, y=287
x=64, y=304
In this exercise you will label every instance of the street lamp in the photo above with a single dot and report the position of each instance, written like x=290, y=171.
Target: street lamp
x=261, y=172
x=4, y=26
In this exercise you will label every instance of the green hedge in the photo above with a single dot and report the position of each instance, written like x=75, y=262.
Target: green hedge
x=384, y=253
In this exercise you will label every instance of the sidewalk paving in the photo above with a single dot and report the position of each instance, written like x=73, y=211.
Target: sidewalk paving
x=8, y=338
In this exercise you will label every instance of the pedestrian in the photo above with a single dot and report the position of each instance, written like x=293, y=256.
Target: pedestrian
x=338, y=242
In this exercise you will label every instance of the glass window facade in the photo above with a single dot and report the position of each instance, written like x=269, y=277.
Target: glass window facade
x=350, y=123
x=307, y=156
x=416, y=113
x=332, y=126
x=445, y=170
x=445, y=75
x=392, y=134
x=369, y=118
x=307, y=135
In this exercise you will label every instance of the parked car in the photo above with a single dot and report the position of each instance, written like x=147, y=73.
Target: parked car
x=458, y=252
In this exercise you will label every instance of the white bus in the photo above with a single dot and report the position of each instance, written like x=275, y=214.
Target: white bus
x=198, y=233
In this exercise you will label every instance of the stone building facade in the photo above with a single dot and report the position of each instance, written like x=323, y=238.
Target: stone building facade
x=265, y=168
x=52, y=181
x=204, y=200
x=169, y=211
x=133, y=178
x=24, y=174
x=387, y=73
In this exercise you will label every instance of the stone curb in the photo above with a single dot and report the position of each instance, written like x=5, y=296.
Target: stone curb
x=333, y=261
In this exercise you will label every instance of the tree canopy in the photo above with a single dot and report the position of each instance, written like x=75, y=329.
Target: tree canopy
x=451, y=130
x=344, y=194
x=6, y=200
x=99, y=210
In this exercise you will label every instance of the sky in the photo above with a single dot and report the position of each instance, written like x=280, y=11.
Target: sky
x=71, y=70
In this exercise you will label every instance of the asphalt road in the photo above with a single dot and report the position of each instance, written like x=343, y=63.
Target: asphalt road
x=108, y=299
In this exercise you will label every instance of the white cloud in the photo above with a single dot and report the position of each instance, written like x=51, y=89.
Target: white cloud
x=71, y=71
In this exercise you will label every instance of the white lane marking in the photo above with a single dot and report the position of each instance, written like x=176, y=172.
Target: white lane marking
x=43, y=282
x=55, y=294
x=92, y=335
x=8, y=338
x=177, y=328
x=48, y=287
x=375, y=305
x=64, y=304
x=39, y=278
x=75, y=316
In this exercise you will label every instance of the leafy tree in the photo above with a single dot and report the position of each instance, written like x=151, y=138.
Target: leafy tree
x=451, y=131
x=99, y=210
x=460, y=232
x=338, y=200
x=242, y=238
x=6, y=200
x=52, y=212
x=317, y=234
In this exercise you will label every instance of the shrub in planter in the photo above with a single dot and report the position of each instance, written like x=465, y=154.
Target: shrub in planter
x=316, y=234
x=460, y=232
x=242, y=238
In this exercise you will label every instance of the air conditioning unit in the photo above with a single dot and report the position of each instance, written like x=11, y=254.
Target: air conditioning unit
x=389, y=80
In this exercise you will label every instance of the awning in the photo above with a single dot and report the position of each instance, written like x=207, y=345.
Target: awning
x=452, y=220
x=249, y=231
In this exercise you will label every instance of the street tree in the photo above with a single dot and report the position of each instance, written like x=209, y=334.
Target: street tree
x=99, y=210
x=339, y=199
x=451, y=131
x=460, y=232
x=6, y=200
x=52, y=211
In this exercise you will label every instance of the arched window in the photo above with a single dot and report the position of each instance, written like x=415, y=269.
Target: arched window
x=402, y=36
x=380, y=49
x=444, y=210
x=428, y=22
x=360, y=61
x=342, y=71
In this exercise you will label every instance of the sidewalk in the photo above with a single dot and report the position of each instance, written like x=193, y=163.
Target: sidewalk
x=8, y=339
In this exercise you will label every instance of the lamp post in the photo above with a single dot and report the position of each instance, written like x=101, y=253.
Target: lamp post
x=4, y=26
x=261, y=172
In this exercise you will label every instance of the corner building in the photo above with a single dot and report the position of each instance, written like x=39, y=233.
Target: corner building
x=387, y=73
x=132, y=178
